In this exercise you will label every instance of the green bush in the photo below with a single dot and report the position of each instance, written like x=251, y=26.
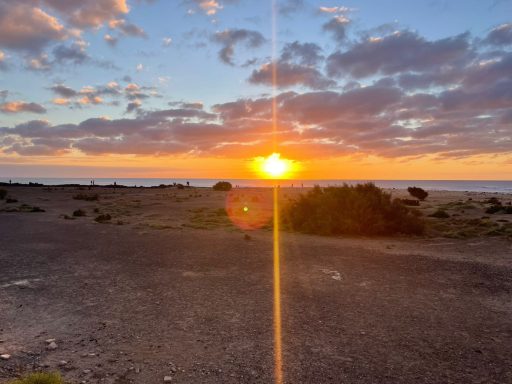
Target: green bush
x=222, y=186
x=418, y=193
x=39, y=378
x=363, y=209
x=440, y=214
x=3, y=193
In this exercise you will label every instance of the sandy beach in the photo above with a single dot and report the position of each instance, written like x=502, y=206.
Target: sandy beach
x=169, y=286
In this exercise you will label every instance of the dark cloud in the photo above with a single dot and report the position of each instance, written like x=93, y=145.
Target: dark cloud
x=303, y=53
x=289, y=75
x=500, y=36
x=74, y=53
x=63, y=90
x=337, y=27
x=230, y=38
x=400, y=52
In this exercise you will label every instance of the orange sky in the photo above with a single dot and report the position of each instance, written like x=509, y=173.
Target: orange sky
x=364, y=167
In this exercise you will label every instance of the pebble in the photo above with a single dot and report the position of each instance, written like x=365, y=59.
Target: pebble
x=48, y=341
x=52, y=346
x=62, y=363
x=167, y=379
x=86, y=371
x=5, y=356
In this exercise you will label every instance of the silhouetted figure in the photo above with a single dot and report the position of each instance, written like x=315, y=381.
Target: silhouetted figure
x=10, y=181
x=188, y=184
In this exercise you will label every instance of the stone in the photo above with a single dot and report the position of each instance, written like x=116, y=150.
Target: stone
x=167, y=379
x=48, y=341
x=52, y=346
x=5, y=356
x=62, y=363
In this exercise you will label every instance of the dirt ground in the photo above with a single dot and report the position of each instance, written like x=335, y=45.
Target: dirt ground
x=169, y=286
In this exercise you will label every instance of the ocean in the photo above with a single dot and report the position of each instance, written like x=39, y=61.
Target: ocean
x=432, y=185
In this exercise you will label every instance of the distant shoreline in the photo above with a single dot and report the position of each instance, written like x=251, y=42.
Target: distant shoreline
x=487, y=186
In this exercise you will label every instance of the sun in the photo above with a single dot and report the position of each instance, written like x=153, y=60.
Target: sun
x=274, y=167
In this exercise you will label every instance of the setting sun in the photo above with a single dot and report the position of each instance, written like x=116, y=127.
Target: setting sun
x=274, y=167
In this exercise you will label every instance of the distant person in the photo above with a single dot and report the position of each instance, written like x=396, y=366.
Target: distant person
x=10, y=181
x=188, y=184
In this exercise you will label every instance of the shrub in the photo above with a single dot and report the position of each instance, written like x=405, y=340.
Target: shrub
x=180, y=186
x=507, y=210
x=418, y=193
x=494, y=209
x=363, y=209
x=11, y=200
x=412, y=203
x=440, y=214
x=79, y=213
x=103, y=218
x=40, y=378
x=493, y=201
x=86, y=197
x=222, y=186
x=3, y=193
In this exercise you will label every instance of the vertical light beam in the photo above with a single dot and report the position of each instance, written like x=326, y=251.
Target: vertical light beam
x=278, y=357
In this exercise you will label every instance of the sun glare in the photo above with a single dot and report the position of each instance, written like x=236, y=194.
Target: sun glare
x=274, y=167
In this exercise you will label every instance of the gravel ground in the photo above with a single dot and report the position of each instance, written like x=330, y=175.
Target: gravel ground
x=134, y=303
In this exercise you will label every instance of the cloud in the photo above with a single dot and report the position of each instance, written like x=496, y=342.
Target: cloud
x=208, y=7
x=89, y=13
x=63, y=90
x=289, y=7
x=399, y=52
x=337, y=25
x=166, y=41
x=21, y=106
x=289, y=75
x=303, y=53
x=3, y=65
x=74, y=53
x=110, y=93
x=230, y=38
x=111, y=40
x=27, y=28
x=500, y=36
x=133, y=106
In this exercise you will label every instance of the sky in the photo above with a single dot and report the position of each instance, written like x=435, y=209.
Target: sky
x=388, y=89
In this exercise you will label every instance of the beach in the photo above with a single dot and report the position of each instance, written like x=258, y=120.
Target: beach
x=167, y=285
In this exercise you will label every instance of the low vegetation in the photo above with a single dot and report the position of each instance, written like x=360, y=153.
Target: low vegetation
x=103, y=218
x=363, y=209
x=418, y=193
x=39, y=378
x=86, y=197
x=440, y=214
x=79, y=213
x=3, y=194
x=222, y=186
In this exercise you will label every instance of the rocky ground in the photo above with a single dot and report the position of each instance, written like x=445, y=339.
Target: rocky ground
x=169, y=287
